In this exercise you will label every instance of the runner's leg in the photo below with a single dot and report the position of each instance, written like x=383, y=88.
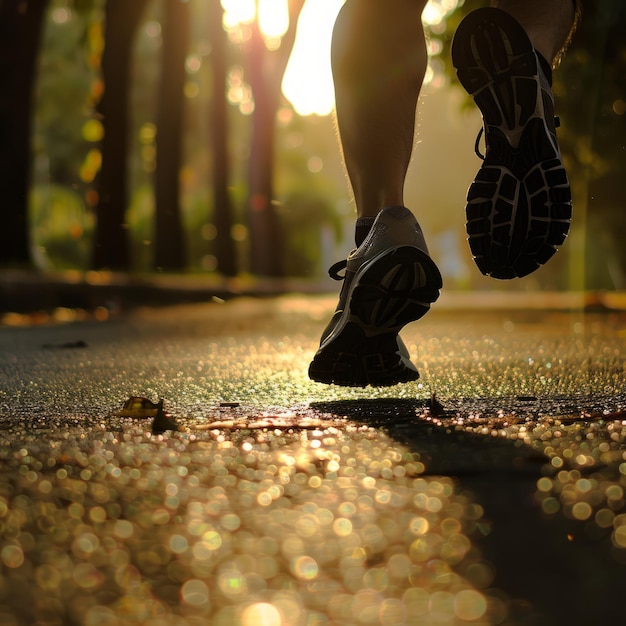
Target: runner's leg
x=379, y=59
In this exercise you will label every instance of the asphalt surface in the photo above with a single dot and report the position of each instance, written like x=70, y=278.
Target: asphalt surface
x=489, y=492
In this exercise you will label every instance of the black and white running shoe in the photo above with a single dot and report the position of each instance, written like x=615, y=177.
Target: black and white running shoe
x=390, y=280
x=519, y=205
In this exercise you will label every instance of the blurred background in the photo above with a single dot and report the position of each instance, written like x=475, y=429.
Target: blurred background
x=197, y=137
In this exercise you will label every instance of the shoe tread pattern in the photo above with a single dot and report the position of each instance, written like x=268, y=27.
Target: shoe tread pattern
x=519, y=206
x=358, y=361
x=396, y=289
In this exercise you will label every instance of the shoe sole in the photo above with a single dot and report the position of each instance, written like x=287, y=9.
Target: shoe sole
x=358, y=361
x=519, y=206
x=388, y=292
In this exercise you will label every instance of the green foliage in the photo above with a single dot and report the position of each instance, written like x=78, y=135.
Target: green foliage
x=62, y=228
x=68, y=88
x=303, y=216
x=592, y=105
x=588, y=84
x=139, y=218
x=64, y=92
x=200, y=232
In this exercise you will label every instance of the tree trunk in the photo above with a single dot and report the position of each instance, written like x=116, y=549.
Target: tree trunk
x=266, y=70
x=20, y=36
x=111, y=240
x=222, y=202
x=265, y=240
x=169, y=244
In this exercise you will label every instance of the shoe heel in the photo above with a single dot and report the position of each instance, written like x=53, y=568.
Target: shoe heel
x=395, y=289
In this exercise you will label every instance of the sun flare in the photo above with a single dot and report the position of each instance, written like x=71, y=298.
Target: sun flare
x=308, y=83
x=273, y=15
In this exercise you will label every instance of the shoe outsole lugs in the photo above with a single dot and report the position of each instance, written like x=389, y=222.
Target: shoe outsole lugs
x=386, y=293
x=371, y=361
x=519, y=206
x=394, y=290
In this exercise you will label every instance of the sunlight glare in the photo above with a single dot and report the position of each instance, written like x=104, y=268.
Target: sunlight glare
x=238, y=12
x=308, y=83
x=437, y=10
x=273, y=17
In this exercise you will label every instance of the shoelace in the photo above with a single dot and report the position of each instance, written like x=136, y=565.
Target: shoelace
x=481, y=132
x=334, y=269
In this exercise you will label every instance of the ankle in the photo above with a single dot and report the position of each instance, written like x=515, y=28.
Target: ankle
x=364, y=224
x=362, y=229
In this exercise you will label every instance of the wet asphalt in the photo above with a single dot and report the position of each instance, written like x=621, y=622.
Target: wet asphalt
x=491, y=491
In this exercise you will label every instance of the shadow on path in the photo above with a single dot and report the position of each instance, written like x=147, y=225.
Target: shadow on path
x=555, y=571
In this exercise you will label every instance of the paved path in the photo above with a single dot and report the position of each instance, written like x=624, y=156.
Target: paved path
x=489, y=492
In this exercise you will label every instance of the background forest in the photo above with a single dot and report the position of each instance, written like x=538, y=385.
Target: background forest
x=164, y=135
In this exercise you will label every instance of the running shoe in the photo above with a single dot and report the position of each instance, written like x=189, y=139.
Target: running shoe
x=389, y=281
x=519, y=206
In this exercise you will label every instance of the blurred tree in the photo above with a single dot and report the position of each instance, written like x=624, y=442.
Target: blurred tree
x=68, y=87
x=311, y=185
x=266, y=68
x=222, y=202
x=304, y=212
x=169, y=249
x=111, y=248
x=591, y=101
x=20, y=32
x=66, y=135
